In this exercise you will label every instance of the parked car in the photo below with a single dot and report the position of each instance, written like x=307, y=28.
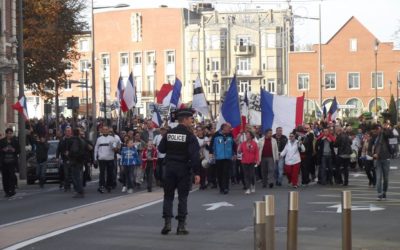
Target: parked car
x=53, y=165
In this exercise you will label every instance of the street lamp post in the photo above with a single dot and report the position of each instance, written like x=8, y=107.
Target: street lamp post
x=94, y=104
x=376, y=77
x=215, y=85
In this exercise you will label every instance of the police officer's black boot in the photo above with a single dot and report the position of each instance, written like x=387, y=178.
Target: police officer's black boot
x=181, y=230
x=167, y=226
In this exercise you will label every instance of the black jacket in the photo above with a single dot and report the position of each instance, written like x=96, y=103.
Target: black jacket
x=9, y=151
x=63, y=147
x=320, y=148
x=42, y=149
x=343, y=143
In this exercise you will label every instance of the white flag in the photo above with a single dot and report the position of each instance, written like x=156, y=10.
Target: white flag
x=199, y=102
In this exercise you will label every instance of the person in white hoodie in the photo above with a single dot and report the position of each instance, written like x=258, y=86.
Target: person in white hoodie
x=291, y=153
x=104, y=154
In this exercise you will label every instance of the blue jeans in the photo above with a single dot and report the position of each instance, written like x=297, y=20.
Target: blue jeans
x=382, y=172
x=41, y=172
x=279, y=170
x=326, y=171
x=128, y=173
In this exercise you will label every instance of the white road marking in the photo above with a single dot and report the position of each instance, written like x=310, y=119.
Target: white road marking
x=61, y=231
x=371, y=208
x=59, y=212
x=358, y=175
x=394, y=167
x=214, y=206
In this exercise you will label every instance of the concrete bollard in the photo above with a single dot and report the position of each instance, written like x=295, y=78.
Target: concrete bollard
x=259, y=225
x=346, y=220
x=269, y=222
x=292, y=221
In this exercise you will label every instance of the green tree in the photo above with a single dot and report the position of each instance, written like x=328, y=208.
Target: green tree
x=50, y=29
x=392, y=110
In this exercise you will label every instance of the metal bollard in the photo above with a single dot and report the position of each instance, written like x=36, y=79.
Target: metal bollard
x=346, y=220
x=269, y=222
x=292, y=221
x=259, y=225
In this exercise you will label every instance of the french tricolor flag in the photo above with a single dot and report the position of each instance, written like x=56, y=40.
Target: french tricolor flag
x=170, y=95
x=281, y=111
x=156, y=118
x=21, y=107
x=120, y=95
x=230, y=110
x=333, y=110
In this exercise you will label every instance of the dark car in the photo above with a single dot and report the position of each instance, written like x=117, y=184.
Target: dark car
x=52, y=169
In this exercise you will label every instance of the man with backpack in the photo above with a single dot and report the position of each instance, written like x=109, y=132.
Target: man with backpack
x=76, y=155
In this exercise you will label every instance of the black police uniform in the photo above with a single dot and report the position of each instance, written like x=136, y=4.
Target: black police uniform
x=182, y=157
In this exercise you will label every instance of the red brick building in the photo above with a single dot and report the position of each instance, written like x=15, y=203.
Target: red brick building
x=349, y=61
x=145, y=41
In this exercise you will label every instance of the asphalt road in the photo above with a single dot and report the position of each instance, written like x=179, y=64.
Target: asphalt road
x=117, y=221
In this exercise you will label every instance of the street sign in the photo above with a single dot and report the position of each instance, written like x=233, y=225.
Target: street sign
x=215, y=206
x=371, y=208
x=346, y=106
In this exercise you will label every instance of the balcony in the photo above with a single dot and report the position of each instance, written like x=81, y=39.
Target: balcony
x=244, y=50
x=148, y=93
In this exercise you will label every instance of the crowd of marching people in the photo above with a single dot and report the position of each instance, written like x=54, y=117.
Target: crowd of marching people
x=321, y=152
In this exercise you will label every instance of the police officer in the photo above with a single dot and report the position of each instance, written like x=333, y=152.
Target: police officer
x=182, y=157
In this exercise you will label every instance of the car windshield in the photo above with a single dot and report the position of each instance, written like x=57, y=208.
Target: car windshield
x=53, y=147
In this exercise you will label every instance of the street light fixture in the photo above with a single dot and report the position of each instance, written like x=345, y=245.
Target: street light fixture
x=376, y=77
x=215, y=86
x=94, y=104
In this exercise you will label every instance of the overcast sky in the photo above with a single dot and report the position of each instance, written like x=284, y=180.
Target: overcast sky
x=381, y=17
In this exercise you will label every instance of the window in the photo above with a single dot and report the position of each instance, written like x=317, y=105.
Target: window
x=83, y=45
x=271, y=40
x=151, y=58
x=353, y=45
x=356, y=107
x=271, y=62
x=83, y=65
x=244, y=85
x=124, y=60
x=243, y=63
x=354, y=80
x=271, y=86
x=170, y=57
x=136, y=27
x=243, y=40
x=150, y=83
x=137, y=57
x=330, y=81
x=194, y=43
x=67, y=85
x=105, y=59
x=214, y=64
x=264, y=84
x=382, y=105
x=302, y=81
x=138, y=83
x=379, y=79
x=195, y=65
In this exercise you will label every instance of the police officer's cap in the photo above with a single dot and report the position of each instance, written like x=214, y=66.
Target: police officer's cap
x=184, y=113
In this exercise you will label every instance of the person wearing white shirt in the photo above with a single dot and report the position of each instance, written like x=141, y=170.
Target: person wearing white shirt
x=291, y=153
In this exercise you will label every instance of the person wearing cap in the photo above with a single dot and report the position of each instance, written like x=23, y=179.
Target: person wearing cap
x=182, y=158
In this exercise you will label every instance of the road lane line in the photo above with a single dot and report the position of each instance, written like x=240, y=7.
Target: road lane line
x=61, y=231
x=61, y=211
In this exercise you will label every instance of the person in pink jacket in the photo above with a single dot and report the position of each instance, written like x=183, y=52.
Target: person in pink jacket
x=250, y=159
